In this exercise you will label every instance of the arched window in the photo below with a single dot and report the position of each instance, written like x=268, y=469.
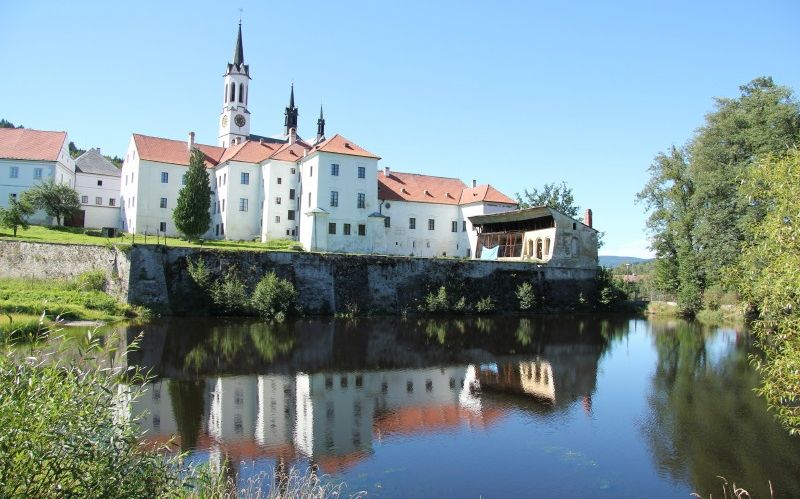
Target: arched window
x=245, y=95
x=529, y=253
x=241, y=92
x=225, y=91
x=233, y=92
x=539, y=249
x=547, y=246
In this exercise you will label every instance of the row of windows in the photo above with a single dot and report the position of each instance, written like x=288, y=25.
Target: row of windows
x=412, y=224
x=362, y=172
x=346, y=229
x=344, y=382
x=361, y=199
x=98, y=201
x=13, y=172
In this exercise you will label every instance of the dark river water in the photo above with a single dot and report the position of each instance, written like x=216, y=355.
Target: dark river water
x=568, y=406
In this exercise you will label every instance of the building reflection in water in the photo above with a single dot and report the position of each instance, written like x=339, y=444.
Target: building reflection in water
x=300, y=406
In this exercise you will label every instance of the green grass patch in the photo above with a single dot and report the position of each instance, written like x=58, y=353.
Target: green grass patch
x=73, y=235
x=22, y=302
x=663, y=308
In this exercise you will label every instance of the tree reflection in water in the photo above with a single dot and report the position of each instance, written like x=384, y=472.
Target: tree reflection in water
x=706, y=421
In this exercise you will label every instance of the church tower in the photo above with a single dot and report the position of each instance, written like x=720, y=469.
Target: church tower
x=234, y=121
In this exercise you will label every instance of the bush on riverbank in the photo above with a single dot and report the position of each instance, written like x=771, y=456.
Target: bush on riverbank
x=274, y=298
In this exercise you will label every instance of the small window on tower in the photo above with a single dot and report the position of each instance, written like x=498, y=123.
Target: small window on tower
x=241, y=92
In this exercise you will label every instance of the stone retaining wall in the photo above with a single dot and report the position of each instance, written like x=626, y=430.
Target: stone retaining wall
x=157, y=276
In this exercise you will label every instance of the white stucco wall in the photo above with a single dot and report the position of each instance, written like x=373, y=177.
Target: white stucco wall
x=275, y=216
x=102, y=214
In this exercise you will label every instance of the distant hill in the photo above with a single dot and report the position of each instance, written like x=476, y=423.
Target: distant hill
x=611, y=261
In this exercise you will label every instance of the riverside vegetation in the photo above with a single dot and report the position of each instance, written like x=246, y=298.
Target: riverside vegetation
x=67, y=432
x=723, y=218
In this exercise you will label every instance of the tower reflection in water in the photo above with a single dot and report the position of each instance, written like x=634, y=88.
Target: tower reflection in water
x=341, y=387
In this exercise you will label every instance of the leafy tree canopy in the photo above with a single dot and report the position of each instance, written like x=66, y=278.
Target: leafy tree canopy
x=8, y=124
x=191, y=214
x=556, y=196
x=74, y=151
x=16, y=214
x=57, y=200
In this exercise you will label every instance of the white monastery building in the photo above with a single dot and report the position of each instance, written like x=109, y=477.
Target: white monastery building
x=328, y=193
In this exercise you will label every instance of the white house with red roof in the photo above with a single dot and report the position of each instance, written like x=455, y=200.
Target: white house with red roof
x=28, y=157
x=325, y=193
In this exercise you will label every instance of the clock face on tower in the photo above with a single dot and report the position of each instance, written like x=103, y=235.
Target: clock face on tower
x=225, y=120
x=239, y=120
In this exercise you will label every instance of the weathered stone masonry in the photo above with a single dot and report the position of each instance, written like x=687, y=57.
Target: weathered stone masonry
x=157, y=276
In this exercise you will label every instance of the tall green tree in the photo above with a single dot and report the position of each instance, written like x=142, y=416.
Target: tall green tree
x=556, y=196
x=16, y=214
x=698, y=212
x=764, y=120
x=191, y=214
x=57, y=200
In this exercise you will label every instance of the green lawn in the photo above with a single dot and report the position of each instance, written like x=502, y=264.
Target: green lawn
x=71, y=235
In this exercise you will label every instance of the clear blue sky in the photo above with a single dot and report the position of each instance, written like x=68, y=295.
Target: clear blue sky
x=516, y=94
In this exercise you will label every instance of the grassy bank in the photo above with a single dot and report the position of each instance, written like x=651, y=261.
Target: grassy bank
x=723, y=315
x=26, y=304
x=72, y=235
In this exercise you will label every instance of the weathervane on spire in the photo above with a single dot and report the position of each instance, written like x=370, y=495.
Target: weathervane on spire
x=240, y=15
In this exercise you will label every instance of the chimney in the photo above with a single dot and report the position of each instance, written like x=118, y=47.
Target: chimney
x=387, y=172
x=261, y=141
x=292, y=135
x=98, y=150
x=474, y=183
x=587, y=218
x=190, y=143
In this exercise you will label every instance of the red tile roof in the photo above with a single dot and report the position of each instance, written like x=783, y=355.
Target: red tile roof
x=249, y=152
x=34, y=145
x=291, y=152
x=419, y=188
x=175, y=152
x=428, y=189
x=484, y=193
x=342, y=145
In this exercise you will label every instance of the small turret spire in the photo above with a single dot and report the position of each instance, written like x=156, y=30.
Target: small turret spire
x=290, y=122
x=320, y=126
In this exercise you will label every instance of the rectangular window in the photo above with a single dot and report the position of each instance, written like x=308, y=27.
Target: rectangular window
x=346, y=229
x=243, y=204
x=164, y=177
x=14, y=172
x=290, y=215
x=310, y=171
x=334, y=198
x=99, y=182
x=362, y=198
x=98, y=200
x=292, y=171
x=223, y=206
x=332, y=228
x=183, y=179
x=37, y=174
x=112, y=202
x=431, y=224
x=454, y=227
x=277, y=219
x=279, y=181
x=162, y=226
x=464, y=226
x=362, y=172
x=362, y=230
x=216, y=229
x=309, y=199
x=387, y=222
x=85, y=199
x=412, y=223
x=163, y=202
x=334, y=169
x=278, y=200
x=222, y=229
x=224, y=178
x=246, y=178
x=291, y=193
